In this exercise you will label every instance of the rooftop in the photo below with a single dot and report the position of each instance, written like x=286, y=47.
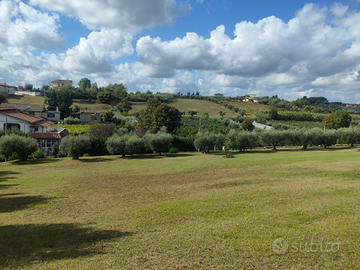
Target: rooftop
x=16, y=113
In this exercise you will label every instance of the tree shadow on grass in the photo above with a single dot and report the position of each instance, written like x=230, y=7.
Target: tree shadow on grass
x=37, y=161
x=157, y=156
x=94, y=159
x=21, y=245
x=10, y=203
x=4, y=176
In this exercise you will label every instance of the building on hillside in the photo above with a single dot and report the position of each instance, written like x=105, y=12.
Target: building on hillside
x=59, y=83
x=218, y=95
x=251, y=97
x=36, y=127
x=261, y=126
x=88, y=116
x=7, y=89
x=36, y=110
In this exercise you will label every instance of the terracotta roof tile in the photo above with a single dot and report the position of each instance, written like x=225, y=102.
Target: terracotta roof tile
x=49, y=135
x=26, y=117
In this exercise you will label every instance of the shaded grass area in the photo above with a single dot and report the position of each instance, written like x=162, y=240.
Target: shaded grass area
x=190, y=211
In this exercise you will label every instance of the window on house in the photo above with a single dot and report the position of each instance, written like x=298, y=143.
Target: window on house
x=11, y=126
x=50, y=115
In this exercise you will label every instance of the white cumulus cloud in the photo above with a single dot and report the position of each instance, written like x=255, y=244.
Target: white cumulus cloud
x=127, y=15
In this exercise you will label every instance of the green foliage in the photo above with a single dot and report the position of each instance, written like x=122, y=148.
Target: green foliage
x=75, y=145
x=15, y=144
x=72, y=121
x=98, y=146
x=28, y=87
x=247, y=125
x=37, y=154
x=272, y=137
x=211, y=124
x=242, y=140
x=184, y=144
x=108, y=116
x=102, y=130
x=206, y=141
x=158, y=143
x=2, y=98
x=349, y=135
x=157, y=114
x=324, y=137
x=76, y=108
x=273, y=114
x=84, y=84
x=222, y=113
x=107, y=97
x=192, y=112
x=62, y=98
x=116, y=145
x=338, y=119
x=134, y=145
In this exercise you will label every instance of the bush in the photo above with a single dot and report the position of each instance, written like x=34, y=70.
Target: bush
x=22, y=146
x=37, y=155
x=102, y=130
x=76, y=145
x=174, y=150
x=98, y=146
x=72, y=121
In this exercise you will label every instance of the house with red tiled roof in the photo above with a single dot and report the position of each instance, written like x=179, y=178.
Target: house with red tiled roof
x=7, y=89
x=35, y=109
x=36, y=127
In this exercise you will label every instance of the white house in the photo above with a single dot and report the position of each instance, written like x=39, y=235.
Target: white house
x=7, y=89
x=36, y=110
x=36, y=127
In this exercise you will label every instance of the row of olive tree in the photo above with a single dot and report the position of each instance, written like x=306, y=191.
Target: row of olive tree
x=242, y=140
x=159, y=142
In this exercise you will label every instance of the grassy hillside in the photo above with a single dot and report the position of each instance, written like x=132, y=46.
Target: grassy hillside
x=202, y=106
x=27, y=100
x=189, y=211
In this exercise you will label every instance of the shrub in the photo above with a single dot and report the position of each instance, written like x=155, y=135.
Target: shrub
x=102, y=130
x=242, y=140
x=174, y=150
x=76, y=145
x=72, y=121
x=247, y=125
x=37, y=154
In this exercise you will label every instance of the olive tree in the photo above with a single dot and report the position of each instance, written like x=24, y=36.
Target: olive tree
x=349, y=135
x=272, y=137
x=75, y=145
x=242, y=140
x=21, y=145
x=116, y=145
x=158, y=143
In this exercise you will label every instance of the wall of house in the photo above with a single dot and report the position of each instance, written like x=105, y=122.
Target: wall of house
x=24, y=126
x=7, y=90
x=55, y=118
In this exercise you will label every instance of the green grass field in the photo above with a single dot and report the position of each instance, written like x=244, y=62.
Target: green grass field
x=188, y=211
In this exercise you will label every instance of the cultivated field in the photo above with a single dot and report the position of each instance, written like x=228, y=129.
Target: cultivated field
x=189, y=211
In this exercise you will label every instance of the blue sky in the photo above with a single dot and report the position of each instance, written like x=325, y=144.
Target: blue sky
x=288, y=48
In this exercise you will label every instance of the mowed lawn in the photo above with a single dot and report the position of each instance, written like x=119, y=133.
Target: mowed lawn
x=188, y=211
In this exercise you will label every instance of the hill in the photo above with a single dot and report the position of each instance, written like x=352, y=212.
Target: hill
x=201, y=106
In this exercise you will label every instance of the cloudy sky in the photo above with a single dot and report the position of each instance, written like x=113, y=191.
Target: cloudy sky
x=288, y=48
